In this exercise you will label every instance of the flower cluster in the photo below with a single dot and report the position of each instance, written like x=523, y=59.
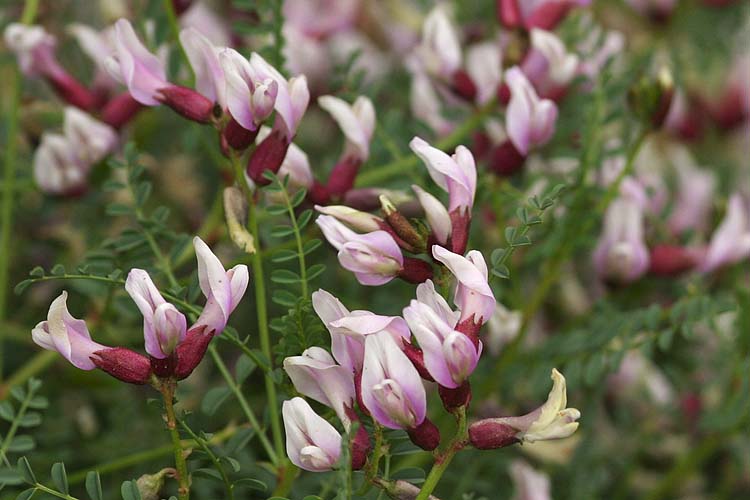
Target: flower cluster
x=173, y=349
x=378, y=365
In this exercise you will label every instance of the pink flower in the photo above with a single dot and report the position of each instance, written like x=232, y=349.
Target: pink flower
x=311, y=442
x=357, y=122
x=92, y=139
x=549, y=66
x=449, y=356
x=426, y=106
x=163, y=325
x=250, y=97
x=223, y=289
x=439, y=52
x=436, y=213
x=730, y=242
x=355, y=219
x=316, y=375
x=528, y=483
x=321, y=18
x=204, y=59
x=67, y=335
x=530, y=121
x=134, y=66
x=695, y=196
x=621, y=253
x=57, y=167
x=473, y=296
x=392, y=390
x=350, y=329
x=484, y=67
x=35, y=50
x=455, y=174
x=544, y=14
x=375, y=258
x=202, y=18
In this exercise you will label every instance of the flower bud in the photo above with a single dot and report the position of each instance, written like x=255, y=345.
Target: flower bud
x=312, y=443
x=400, y=224
x=650, y=98
x=123, y=364
x=187, y=102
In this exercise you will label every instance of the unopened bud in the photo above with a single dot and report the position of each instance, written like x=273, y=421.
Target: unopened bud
x=236, y=136
x=650, y=98
x=235, y=210
x=190, y=351
x=401, y=226
x=426, y=435
x=455, y=398
x=120, y=110
x=415, y=270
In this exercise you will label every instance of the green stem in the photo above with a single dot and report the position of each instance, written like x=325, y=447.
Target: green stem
x=243, y=403
x=261, y=307
x=148, y=455
x=265, y=338
x=174, y=28
x=214, y=459
x=37, y=363
x=167, y=390
x=14, y=425
x=297, y=239
x=684, y=467
x=54, y=493
x=375, y=175
x=9, y=177
x=444, y=459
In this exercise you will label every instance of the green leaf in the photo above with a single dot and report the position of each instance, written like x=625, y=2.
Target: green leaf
x=298, y=198
x=277, y=209
x=510, y=234
x=214, y=399
x=129, y=490
x=142, y=192
x=208, y=474
x=253, y=484
x=284, y=298
x=245, y=366
x=284, y=255
x=314, y=271
x=282, y=231
x=6, y=411
x=10, y=476
x=22, y=444
x=234, y=464
x=24, y=470
x=22, y=286
x=58, y=270
x=37, y=272
x=311, y=245
x=31, y=419
x=116, y=209
x=60, y=477
x=18, y=392
x=26, y=494
x=501, y=271
x=94, y=485
x=284, y=276
x=304, y=218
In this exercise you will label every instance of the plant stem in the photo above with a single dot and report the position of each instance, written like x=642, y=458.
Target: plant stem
x=217, y=464
x=145, y=456
x=54, y=493
x=9, y=177
x=167, y=390
x=444, y=459
x=261, y=307
x=174, y=28
x=297, y=239
x=403, y=164
x=260, y=432
x=14, y=425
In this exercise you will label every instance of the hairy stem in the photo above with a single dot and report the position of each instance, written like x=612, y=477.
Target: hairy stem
x=203, y=445
x=444, y=459
x=259, y=431
x=167, y=390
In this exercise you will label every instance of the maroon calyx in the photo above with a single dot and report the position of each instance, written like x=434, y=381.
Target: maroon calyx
x=505, y=160
x=123, y=364
x=342, y=177
x=187, y=102
x=269, y=155
x=463, y=85
x=236, y=136
x=71, y=90
x=470, y=328
x=460, y=225
x=415, y=271
x=416, y=356
x=454, y=398
x=672, y=260
x=509, y=13
x=426, y=435
x=360, y=445
x=120, y=110
x=191, y=350
x=164, y=367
